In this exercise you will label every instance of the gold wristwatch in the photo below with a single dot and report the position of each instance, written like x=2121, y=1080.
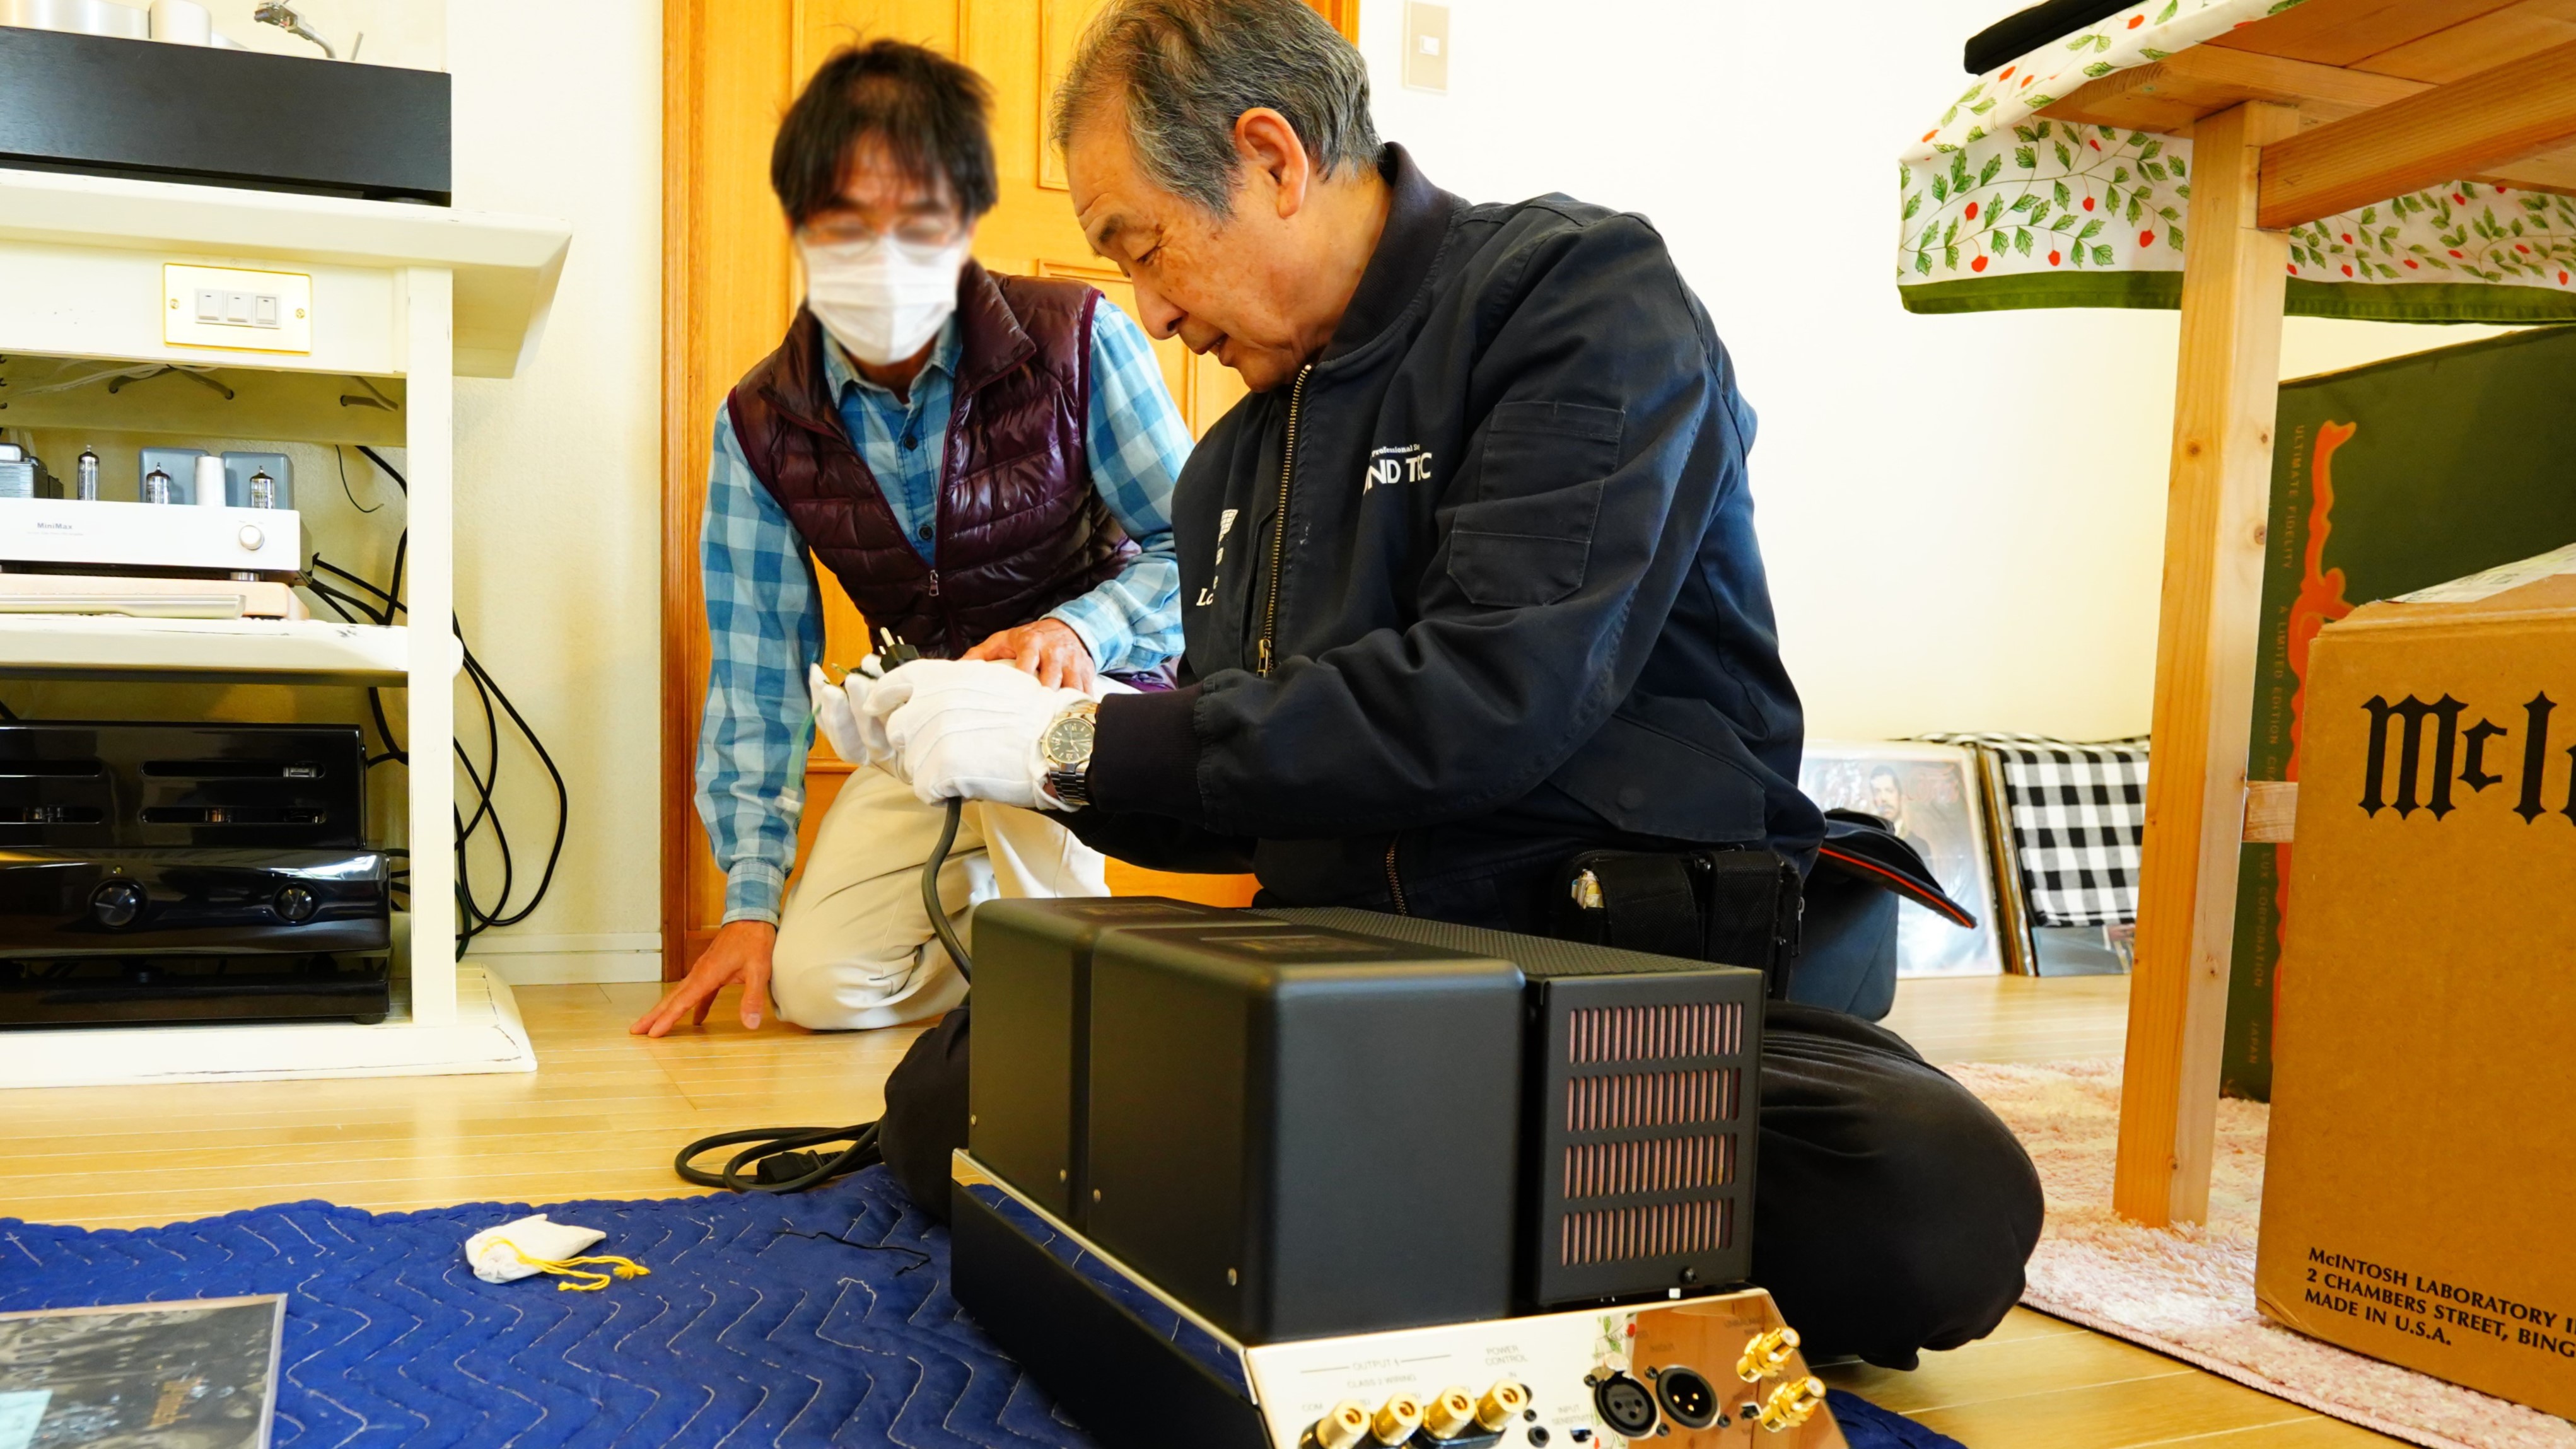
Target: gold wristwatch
x=1066, y=749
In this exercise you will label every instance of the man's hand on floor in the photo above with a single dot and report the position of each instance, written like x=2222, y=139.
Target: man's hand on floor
x=740, y=952
x=1047, y=648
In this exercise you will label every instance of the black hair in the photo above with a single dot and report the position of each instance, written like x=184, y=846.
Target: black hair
x=931, y=113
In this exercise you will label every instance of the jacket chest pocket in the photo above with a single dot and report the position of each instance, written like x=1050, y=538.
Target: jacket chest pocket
x=1527, y=539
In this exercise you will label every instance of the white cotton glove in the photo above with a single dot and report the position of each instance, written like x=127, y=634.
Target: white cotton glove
x=968, y=728
x=855, y=735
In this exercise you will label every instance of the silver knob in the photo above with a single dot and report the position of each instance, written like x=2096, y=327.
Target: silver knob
x=251, y=537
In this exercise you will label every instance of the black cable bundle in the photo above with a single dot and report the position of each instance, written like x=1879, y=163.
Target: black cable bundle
x=778, y=1158
x=382, y=606
x=777, y=1155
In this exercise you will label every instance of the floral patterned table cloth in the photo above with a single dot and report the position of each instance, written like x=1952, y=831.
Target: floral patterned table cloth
x=2003, y=207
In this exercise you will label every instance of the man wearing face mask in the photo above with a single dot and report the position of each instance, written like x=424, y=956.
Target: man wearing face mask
x=985, y=463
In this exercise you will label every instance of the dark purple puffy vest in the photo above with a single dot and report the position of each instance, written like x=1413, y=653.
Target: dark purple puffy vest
x=1020, y=529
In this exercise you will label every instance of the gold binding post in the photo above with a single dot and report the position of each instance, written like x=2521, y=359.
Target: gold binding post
x=1397, y=1419
x=1792, y=1404
x=1768, y=1354
x=1501, y=1404
x=1344, y=1427
x=1449, y=1414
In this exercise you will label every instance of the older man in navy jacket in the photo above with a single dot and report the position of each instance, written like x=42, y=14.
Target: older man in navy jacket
x=1470, y=585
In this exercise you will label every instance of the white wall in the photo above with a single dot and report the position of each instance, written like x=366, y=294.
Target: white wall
x=558, y=471
x=1963, y=515
x=375, y=32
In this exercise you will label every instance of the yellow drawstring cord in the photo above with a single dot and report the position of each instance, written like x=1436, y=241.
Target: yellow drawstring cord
x=571, y=1268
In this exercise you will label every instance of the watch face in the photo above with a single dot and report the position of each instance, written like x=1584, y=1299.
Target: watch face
x=1068, y=741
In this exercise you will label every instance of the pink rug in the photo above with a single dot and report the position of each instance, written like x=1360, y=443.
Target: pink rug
x=2190, y=1292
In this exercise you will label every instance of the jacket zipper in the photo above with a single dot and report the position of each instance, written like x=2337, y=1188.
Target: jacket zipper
x=957, y=405
x=1394, y=882
x=1279, y=539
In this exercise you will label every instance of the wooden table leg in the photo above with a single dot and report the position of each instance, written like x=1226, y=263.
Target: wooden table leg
x=2216, y=504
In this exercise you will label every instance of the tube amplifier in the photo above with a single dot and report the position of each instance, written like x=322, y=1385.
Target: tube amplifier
x=102, y=535
x=1294, y=1127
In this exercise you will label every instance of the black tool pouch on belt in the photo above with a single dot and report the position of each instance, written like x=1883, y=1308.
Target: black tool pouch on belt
x=1736, y=907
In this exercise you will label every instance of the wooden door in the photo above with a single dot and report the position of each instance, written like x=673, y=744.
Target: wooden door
x=731, y=285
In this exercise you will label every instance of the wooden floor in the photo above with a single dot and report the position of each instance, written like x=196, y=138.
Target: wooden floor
x=605, y=1111
x=601, y=1117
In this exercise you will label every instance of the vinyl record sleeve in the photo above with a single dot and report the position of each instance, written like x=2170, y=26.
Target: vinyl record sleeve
x=195, y=1374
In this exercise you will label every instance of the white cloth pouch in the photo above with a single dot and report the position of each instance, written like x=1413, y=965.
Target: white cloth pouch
x=527, y=1247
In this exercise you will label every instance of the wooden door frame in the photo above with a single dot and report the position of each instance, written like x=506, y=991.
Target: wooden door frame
x=690, y=28
x=683, y=649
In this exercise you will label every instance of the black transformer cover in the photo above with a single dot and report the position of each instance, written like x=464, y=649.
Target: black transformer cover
x=1643, y=1111
x=1302, y=1132
x=1296, y=1132
x=1028, y=1093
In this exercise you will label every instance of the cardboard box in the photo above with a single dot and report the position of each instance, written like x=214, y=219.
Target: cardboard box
x=2419, y=1204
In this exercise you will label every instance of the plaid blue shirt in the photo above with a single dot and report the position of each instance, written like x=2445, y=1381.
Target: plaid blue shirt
x=765, y=620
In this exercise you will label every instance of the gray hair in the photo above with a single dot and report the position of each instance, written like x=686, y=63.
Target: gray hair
x=1187, y=69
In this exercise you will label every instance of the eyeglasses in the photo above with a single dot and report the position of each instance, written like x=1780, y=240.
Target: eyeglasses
x=926, y=232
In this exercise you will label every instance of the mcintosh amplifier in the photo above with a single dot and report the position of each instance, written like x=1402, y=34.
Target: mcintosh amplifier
x=188, y=872
x=1341, y=1180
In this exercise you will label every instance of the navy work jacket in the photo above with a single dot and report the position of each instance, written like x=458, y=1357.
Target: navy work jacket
x=1508, y=583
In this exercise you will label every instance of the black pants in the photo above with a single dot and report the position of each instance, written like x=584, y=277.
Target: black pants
x=1892, y=1211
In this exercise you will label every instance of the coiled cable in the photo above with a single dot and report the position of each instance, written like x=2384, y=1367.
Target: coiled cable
x=781, y=1159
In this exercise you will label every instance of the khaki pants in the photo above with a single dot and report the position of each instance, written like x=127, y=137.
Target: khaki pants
x=855, y=947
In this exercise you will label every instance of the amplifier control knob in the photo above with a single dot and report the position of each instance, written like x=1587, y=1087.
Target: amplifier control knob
x=251, y=538
x=297, y=904
x=116, y=903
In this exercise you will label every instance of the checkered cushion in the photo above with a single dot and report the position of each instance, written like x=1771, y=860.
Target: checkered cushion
x=2079, y=815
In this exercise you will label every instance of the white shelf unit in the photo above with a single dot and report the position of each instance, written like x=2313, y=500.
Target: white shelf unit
x=407, y=297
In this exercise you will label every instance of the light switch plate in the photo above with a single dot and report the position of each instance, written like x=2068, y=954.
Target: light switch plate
x=236, y=309
x=1426, y=46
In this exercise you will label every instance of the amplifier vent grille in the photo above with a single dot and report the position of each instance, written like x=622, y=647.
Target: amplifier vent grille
x=1658, y=1230
x=1661, y=1164
x=1654, y=1033
x=1650, y=1099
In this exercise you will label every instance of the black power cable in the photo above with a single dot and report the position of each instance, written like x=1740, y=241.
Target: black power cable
x=930, y=894
x=778, y=1156
x=779, y=1159
x=381, y=606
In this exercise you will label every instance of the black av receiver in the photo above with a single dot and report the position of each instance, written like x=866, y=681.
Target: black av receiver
x=1304, y=1123
x=187, y=872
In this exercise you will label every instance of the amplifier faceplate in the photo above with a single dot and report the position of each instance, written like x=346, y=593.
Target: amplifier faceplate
x=1580, y=1375
x=104, y=533
x=120, y=902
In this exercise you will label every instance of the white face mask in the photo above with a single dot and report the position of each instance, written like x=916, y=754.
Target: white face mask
x=881, y=300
